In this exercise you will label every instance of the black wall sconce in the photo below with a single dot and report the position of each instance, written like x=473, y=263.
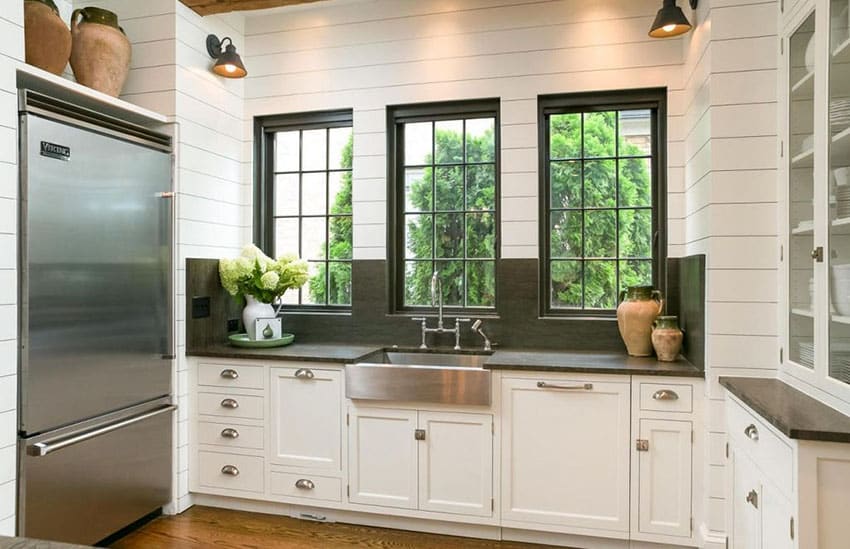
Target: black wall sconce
x=670, y=20
x=228, y=63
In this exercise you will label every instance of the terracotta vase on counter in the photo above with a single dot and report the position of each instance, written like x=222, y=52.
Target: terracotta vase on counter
x=47, y=38
x=100, y=55
x=667, y=338
x=638, y=309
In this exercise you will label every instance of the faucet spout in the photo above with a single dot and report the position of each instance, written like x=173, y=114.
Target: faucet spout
x=437, y=297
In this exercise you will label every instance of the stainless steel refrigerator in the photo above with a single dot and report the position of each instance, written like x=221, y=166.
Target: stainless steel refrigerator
x=95, y=312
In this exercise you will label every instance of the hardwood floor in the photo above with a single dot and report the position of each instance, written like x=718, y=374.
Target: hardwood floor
x=209, y=527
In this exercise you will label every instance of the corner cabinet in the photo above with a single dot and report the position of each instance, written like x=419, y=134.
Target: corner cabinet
x=815, y=166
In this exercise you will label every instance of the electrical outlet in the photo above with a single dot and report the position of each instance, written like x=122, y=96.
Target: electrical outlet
x=201, y=307
x=232, y=325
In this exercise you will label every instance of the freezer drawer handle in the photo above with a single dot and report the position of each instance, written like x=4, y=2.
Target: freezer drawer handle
x=40, y=449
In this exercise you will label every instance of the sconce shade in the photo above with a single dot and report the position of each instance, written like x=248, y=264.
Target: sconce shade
x=670, y=21
x=228, y=63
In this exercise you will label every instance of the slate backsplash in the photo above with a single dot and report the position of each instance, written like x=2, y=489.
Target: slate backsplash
x=517, y=325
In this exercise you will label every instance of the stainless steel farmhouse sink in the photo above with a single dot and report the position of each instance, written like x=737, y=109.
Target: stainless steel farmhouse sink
x=446, y=378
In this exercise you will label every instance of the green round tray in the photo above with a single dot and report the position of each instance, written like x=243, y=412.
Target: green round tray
x=241, y=340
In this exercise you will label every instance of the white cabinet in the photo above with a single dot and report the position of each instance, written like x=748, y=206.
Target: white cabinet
x=746, y=495
x=565, y=452
x=664, y=477
x=456, y=463
x=383, y=455
x=431, y=461
x=306, y=411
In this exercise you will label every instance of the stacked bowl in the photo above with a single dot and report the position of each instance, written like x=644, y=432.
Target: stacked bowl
x=841, y=289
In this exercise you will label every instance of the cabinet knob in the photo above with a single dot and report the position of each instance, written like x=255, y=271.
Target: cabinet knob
x=230, y=470
x=229, y=403
x=229, y=433
x=304, y=373
x=304, y=484
x=419, y=434
x=229, y=373
x=752, y=432
x=665, y=394
x=753, y=498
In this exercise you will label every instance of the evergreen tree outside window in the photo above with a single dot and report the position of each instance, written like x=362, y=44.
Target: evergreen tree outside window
x=445, y=180
x=304, y=201
x=602, y=198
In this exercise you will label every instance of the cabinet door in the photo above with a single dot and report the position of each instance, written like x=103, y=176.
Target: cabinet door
x=306, y=406
x=776, y=519
x=664, y=478
x=565, y=453
x=746, y=499
x=382, y=453
x=456, y=463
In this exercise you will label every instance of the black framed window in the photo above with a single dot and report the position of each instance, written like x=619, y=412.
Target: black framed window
x=444, y=185
x=303, y=200
x=603, y=196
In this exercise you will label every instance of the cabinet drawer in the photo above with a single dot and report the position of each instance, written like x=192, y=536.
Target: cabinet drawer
x=228, y=434
x=306, y=486
x=229, y=405
x=666, y=397
x=231, y=375
x=247, y=471
x=749, y=434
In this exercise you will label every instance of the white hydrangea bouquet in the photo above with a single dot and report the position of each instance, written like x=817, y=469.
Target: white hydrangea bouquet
x=261, y=280
x=257, y=275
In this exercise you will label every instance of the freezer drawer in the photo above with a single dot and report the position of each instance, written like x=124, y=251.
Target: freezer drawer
x=84, y=482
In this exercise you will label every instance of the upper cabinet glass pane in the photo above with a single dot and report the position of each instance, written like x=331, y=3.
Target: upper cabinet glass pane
x=801, y=281
x=839, y=191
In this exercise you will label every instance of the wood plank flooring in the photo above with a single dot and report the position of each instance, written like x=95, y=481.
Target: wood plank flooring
x=208, y=527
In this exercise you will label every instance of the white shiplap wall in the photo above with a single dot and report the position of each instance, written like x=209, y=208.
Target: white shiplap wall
x=730, y=204
x=368, y=54
x=11, y=53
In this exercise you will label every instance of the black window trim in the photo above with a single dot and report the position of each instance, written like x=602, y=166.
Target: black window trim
x=426, y=112
x=645, y=98
x=265, y=128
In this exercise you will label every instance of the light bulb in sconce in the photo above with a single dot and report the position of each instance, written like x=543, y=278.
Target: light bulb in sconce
x=670, y=20
x=228, y=63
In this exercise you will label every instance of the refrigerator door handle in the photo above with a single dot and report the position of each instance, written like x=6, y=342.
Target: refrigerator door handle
x=40, y=449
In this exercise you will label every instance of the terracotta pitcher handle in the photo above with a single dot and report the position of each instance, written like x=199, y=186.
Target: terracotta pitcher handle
x=622, y=296
x=74, y=14
x=656, y=295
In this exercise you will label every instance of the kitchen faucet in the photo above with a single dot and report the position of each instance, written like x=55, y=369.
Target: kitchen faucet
x=437, y=300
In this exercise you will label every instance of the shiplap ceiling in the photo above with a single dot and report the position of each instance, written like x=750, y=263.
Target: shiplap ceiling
x=209, y=7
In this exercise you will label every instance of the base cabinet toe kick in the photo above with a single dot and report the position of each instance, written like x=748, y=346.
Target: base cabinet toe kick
x=581, y=460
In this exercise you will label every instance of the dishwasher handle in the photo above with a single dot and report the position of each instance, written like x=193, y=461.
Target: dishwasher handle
x=40, y=449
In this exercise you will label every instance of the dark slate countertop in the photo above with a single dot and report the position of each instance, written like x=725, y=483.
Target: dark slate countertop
x=306, y=352
x=589, y=362
x=27, y=543
x=792, y=412
x=527, y=360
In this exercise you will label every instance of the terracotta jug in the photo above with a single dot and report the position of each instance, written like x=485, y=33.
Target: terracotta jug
x=47, y=38
x=639, y=306
x=100, y=55
x=667, y=338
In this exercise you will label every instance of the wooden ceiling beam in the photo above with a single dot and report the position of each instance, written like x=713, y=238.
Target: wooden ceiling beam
x=210, y=7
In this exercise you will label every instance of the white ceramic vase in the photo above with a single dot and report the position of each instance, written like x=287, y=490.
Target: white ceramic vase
x=253, y=310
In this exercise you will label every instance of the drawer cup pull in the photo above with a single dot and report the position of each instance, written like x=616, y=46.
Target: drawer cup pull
x=229, y=374
x=582, y=387
x=229, y=433
x=752, y=432
x=665, y=394
x=304, y=484
x=304, y=373
x=230, y=470
x=229, y=403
